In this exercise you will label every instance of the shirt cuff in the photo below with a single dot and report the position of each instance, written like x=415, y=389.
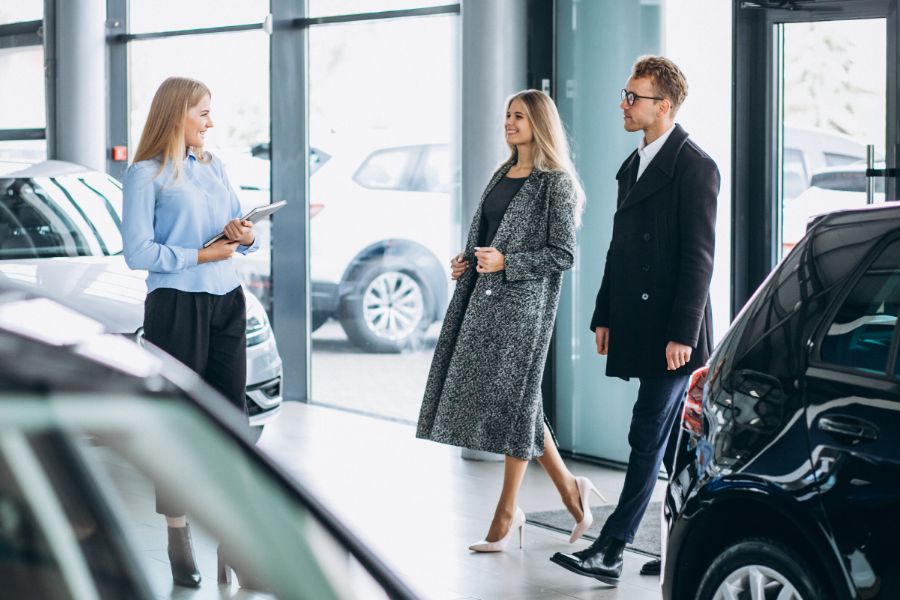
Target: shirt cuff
x=191, y=256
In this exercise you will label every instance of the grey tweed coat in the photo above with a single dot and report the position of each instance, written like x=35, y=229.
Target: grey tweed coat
x=484, y=387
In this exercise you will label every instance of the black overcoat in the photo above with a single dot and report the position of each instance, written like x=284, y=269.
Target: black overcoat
x=484, y=386
x=655, y=286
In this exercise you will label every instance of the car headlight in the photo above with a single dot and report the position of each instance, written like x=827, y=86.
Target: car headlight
x=258, y=328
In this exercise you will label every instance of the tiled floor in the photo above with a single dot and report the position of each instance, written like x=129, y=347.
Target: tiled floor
x=419, y=505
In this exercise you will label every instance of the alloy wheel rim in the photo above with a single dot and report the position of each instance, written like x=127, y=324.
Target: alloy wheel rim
x=393, y=305
x=756, y=582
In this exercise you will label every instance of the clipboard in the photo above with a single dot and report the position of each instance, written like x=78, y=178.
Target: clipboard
x=257, y=214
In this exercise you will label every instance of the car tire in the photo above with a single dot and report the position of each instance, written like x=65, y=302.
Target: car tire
x=387, y=309
x=753, y=559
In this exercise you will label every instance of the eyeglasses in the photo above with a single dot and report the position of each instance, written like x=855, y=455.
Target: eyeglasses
x=631, y=97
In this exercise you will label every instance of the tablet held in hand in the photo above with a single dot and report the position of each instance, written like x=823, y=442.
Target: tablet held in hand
x=257, y=214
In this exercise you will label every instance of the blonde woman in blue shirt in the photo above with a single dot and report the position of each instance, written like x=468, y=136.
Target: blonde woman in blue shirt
x=176, y=196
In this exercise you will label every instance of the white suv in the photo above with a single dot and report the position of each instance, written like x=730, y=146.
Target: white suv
x=382, y=230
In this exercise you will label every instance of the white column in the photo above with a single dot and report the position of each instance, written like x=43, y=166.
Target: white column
x=80, y=125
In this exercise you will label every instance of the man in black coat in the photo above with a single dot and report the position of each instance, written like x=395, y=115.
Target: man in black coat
x=652, y=317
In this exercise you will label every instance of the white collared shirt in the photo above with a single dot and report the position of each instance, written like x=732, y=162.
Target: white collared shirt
x=646, y=152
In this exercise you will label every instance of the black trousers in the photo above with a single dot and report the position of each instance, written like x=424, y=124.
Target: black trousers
x=206, y=332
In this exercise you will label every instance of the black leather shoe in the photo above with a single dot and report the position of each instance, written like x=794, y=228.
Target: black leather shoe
x=602, y=560
x=181, y=557
x=651, y=567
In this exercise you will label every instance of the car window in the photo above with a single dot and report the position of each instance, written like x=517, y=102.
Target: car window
x=137, y=448
x=34, y=224
x=387, y=169
x=834, y=159
x=796, y=178
x=28, y=567
x=435, y=171
x=860, y=334
x=55, y=542
x=846, y=181
x=101, y=204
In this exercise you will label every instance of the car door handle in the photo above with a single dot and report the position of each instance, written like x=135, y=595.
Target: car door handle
x=846, y=427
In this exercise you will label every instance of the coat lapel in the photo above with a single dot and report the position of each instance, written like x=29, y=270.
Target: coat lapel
x=660, y=170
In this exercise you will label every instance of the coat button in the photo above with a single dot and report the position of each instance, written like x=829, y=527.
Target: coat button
x=645, y=267
x=645, y=296
x=487, y=292
x=646, y=237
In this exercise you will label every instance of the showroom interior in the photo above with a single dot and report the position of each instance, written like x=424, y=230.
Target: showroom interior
x=379, y=122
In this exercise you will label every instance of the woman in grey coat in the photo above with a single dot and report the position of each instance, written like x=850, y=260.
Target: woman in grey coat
x=484, y=387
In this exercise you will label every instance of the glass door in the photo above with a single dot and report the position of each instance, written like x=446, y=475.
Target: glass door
x=831, y=118
x=815, y=88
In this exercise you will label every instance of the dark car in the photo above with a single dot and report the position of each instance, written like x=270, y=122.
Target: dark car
x=91, y=424
x=787, y=478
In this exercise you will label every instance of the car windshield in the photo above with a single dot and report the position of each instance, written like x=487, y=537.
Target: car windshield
x=47, y=217
x=133, y=445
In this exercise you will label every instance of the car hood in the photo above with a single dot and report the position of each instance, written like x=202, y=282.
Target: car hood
x=102, y=287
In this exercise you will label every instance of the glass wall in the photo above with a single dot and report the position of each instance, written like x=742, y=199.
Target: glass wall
x=23, y=101
x=21, y=10
x=597, y=43
x=384, y=222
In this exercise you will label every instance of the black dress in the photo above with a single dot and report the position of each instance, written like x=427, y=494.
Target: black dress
x=495, y=206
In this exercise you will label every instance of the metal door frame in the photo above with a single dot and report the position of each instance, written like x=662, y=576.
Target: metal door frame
x=756, y=95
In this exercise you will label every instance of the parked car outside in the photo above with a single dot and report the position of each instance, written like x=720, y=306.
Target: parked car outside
x=92, y=423
x=787, y=471
x=831, y=189
x=60, y=235
x=808, y=150
x=382, y=229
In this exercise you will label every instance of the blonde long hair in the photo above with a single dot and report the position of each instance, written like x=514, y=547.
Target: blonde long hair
x=163, y=134
x=551, y=146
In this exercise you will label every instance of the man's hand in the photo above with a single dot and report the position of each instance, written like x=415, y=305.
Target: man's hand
x=489, y=260
x=677, y=355
x=239, y=231
x=602, y=336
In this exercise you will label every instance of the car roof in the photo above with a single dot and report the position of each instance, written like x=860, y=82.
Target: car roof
x=47, y=168
x=873, y=212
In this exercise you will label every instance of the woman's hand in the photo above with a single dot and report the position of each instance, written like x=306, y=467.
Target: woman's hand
x=489, y=260
x=220, y=250
x=458, y=266
x=239, y=231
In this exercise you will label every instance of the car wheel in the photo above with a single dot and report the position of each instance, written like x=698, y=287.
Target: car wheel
x=387, y=310
x=757, y=569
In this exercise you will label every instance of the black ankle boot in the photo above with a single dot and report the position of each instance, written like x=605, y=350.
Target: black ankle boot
x=181, y=557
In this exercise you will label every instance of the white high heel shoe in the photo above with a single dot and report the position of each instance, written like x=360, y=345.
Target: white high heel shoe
x=518, y=522
x=585, y=487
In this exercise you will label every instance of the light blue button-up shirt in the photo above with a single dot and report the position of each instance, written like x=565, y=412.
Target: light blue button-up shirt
x=164, y=224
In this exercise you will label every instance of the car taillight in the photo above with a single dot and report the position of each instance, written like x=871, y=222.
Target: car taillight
x=315, y=209
x=692, y=418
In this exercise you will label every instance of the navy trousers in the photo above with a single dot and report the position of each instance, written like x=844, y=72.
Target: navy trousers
x=654, y=422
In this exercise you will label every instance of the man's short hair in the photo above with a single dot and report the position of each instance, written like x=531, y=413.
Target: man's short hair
x=667, y=78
